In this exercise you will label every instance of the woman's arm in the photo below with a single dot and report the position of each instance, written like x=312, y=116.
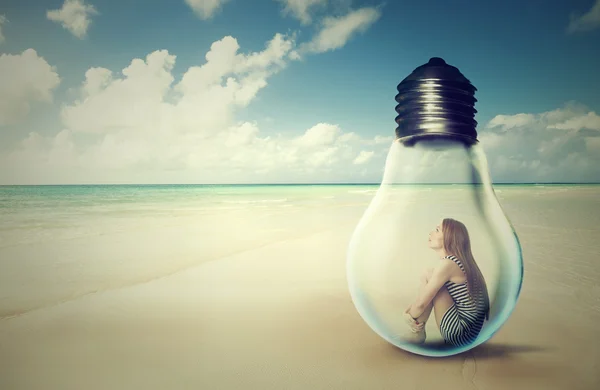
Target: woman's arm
x=441, y=274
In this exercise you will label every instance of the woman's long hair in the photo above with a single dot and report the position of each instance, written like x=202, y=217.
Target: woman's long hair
x=457, y=243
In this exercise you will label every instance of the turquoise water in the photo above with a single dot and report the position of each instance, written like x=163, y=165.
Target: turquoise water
x=32, y=213
x=50, y=197
x=36, y=201
x=39, y=200
x=125, y=190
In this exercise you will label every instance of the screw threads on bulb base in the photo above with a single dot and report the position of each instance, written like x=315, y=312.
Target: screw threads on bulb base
x=435, y=101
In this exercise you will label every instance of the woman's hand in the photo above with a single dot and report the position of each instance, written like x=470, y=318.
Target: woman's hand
x=411, y=312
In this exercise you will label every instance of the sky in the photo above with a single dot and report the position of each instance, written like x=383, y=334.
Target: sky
x=285, y=91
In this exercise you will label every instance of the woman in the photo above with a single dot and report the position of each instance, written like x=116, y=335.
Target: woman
x=455, y=290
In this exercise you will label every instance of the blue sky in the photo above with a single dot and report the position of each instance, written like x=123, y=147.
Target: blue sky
x=316, y=107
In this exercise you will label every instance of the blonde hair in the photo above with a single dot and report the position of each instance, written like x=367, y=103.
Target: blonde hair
x=457, y=243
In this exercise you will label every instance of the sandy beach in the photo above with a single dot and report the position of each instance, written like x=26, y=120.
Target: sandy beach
x=273, y=311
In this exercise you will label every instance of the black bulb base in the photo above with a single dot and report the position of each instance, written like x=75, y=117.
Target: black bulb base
x=435, y=101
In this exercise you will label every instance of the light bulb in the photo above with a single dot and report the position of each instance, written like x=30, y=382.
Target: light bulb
x=436, y=174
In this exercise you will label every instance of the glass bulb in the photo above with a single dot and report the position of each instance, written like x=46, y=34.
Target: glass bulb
x=389, y=249
x=430, y=176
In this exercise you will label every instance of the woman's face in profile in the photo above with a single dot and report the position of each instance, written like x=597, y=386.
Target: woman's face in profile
x=436, y=237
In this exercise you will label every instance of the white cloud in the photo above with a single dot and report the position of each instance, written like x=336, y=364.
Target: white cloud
x=570, y=110
x=507, y=122
x=24, y=77
x=301, y=9
x=589, y=121
x=335, y=32
x=383, y=140
x=3, y=20
x=118, y=104
x=363, y=157
x=205, y=9
x=96, y=79
x=489, y=139
x=207, y=95
x=322, y=134
x=586, y=22
x=238, y=153
x=145, y=126
x=75, y=16
x=348, y=137
x=159, y=146
x=558, y=145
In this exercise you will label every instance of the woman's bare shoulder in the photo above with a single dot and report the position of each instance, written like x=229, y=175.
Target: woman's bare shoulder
x=456, y=273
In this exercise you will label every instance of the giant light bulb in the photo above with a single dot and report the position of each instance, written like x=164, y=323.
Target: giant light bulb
x=435, y=170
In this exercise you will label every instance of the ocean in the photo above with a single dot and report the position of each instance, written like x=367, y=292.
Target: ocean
x=30, y=214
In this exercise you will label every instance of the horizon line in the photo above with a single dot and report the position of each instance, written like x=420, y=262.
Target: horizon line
x=280, y=184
